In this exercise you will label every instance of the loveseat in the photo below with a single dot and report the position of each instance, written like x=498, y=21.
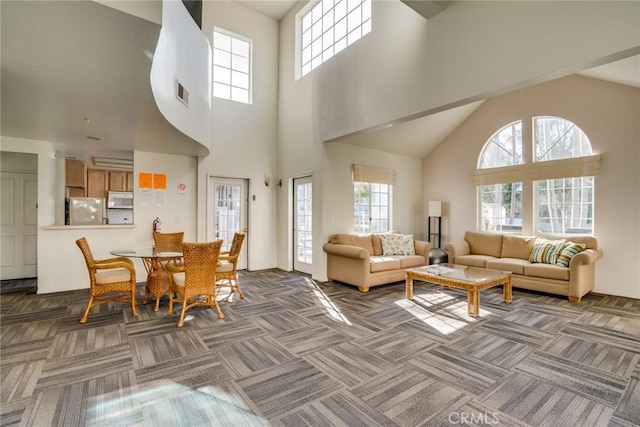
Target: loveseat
x=558, y=266
x=373, y=259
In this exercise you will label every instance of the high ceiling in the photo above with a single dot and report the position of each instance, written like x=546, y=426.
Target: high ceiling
x=78, y=69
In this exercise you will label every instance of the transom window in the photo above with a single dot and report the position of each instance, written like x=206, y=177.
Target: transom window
x=231, y=66
x=558, y=183
x=329, y=26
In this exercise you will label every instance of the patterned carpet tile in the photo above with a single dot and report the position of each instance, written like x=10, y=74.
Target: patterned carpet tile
x=307, y=339
x=74, y=369
x=30, y=351
x=630, y=342
x=459, y=370
x=591, y=383
x=409, y=398
x=624, y=319
x=246, y=357
x=350, y=363
x=18, y=381
x=159, y=348
x=225, y=333
x=280, y=321
x=540, y=403
x=628, y=409
x=82, y=341
x=26, y=331
x=11, y=413
x=518, y=333
x=339, y=410
x=397, y=345
x=192, y=371
x=285, y=387
x=491, y=349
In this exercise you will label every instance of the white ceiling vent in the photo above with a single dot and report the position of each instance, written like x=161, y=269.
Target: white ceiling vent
x=182, y=94
x=111, y=163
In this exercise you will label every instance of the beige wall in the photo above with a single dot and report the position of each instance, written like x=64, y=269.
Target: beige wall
x=608, y=113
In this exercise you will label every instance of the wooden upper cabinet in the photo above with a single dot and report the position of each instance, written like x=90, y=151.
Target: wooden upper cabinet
x=75, y=174
x=129, y=181
x=97, y=182
x=117, y=181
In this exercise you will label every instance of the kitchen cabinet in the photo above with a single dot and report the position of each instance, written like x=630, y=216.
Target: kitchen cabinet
x=97, y=183
x=117, y=181
x=74, y=173
x=129, y=181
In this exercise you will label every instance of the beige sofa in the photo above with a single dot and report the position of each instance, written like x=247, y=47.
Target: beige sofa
x=511, y=253
x=358, y=260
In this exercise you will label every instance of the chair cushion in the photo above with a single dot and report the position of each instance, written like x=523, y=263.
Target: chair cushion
x=484, y=243
x=517, y=246
x=383, y=263
x=362, y=241
x=178, y=278
x=112, y=275
x=546, y=251
x=224, y=266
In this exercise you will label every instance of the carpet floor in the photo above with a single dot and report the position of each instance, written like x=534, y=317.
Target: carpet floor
x=297, y=352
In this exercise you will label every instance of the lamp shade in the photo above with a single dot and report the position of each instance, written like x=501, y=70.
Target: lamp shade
x=435, y=208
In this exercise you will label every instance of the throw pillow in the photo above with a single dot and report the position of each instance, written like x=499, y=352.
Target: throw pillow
x=546, y=251
x=397, y=244
x=569, y=251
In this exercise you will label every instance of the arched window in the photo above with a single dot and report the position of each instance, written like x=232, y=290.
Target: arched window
x=501, y=204
x=564, y=205
x=558, y=182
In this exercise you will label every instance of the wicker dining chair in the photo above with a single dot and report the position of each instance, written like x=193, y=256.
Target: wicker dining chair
x=112, y=279
x=227, y=274
x=193, y=282
x=158, y=279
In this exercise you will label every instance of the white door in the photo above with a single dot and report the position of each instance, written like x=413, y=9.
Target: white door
x=227, y=213
x=18, y=225
x=302, y=240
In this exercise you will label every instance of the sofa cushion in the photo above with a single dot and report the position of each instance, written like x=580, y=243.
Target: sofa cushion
x=546, y=251
x=474, y=260
x=382, y=263
x=397, y=244
x=569, y=251
x=360, y=240
x=484, y=243
x=408, y=261
x=376, y=242
x=517, y=246
x=514, y=265
x=547, y=271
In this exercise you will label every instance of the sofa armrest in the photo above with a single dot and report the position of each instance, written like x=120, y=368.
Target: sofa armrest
x=346, y=251
x=588, y=256
x=422, y=248
x=454, y=249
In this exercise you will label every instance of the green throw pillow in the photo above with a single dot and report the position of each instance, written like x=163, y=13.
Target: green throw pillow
x=569, y=251
x=546, y=251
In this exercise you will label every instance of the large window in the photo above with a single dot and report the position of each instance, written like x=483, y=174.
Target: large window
x=501, y=204
x=231, y=66
x=558, y=181
x=329, y=26
x=371, y=207
x=564, y=206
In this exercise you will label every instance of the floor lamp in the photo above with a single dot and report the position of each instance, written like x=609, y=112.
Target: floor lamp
x=434, y=231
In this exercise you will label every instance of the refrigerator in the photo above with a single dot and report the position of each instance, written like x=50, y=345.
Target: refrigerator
x=86, y=211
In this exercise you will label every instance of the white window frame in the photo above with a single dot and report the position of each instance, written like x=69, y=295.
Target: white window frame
x=373, y=219
x=326, y=27
x=234, y=72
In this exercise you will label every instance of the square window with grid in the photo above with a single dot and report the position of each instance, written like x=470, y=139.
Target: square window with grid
x=330, y=26
x=231, y=66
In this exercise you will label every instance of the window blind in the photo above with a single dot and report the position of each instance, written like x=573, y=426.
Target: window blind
x=364, y=173
x=537, y=171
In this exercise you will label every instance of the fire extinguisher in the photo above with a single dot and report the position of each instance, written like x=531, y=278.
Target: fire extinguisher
x=157, y=225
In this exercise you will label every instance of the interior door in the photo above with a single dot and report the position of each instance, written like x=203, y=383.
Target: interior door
x=18, y=225
x=227, y=213
x=302, y=236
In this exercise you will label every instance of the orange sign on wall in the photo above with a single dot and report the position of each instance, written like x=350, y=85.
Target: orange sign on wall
x=145, y=180
x=159, y=181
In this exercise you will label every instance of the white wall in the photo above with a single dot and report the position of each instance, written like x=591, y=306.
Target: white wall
x=608, y=113
x=469, y=51
x=243, y=141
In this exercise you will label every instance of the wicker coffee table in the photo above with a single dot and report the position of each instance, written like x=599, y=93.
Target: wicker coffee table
x=471, y=279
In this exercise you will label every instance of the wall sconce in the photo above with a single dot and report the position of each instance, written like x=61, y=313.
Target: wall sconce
x=267, y=180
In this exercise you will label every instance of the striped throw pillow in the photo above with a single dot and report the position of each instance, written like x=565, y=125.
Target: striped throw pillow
x=570, y=249
x=546, y=251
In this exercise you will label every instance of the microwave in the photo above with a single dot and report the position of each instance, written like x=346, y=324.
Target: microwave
x=120, y=200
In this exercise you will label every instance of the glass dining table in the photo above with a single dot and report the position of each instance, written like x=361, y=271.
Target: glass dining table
x=155, y=260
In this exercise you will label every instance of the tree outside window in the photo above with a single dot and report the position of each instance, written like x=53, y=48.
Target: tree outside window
x=371, y=207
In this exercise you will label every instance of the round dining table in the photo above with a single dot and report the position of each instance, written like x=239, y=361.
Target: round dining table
x=155, y=260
